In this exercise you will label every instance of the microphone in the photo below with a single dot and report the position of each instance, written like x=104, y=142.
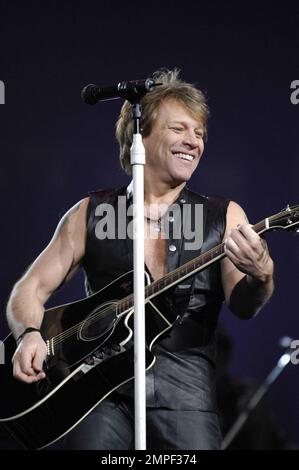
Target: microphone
x=132, y=91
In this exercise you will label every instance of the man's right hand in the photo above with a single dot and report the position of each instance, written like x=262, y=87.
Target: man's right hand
x=29, y=357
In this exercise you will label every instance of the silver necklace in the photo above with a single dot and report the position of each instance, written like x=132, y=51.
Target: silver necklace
x=157, y=224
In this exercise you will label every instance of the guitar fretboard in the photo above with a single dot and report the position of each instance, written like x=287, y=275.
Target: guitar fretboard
x=183, y=272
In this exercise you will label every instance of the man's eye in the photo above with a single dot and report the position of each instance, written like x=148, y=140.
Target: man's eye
x=177, y=129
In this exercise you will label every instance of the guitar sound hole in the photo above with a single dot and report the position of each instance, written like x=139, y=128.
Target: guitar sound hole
x=99, y=322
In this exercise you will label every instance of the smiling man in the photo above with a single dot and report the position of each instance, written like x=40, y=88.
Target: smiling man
x=181, y=406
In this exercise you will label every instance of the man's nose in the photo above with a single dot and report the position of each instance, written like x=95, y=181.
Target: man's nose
x=191, y=139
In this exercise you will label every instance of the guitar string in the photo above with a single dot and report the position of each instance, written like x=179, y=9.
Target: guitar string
x=93, y=318
x=67, y=334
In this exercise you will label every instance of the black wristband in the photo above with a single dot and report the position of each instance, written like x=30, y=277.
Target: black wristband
x=28, y=330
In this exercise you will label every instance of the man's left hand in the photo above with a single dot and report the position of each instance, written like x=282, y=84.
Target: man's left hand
x=249, y=252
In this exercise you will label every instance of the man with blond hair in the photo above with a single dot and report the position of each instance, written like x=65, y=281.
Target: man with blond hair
x=181, y=405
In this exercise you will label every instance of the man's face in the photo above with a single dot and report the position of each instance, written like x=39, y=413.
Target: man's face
x=175, y=145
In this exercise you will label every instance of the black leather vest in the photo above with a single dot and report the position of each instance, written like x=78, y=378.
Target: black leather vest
x=183, y=374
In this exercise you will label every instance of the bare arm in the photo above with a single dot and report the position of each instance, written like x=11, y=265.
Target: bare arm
x=57, y=263
x=247, y=271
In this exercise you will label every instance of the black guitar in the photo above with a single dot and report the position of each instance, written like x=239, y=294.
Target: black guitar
x=90, y=350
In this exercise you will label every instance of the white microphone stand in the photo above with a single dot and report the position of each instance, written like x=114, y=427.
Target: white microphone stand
x=133, y=91
x=137, y=163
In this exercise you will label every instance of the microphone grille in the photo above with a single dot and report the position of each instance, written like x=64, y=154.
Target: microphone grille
x=87, y=94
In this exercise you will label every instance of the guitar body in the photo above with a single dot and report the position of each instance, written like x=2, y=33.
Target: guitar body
x=84, y=365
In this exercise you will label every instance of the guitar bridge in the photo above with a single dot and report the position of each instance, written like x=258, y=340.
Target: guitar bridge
x=50, y=347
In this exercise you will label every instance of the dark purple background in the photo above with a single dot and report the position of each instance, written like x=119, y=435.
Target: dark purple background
x=54, y=149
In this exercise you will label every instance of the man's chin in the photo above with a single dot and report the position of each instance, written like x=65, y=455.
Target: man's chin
x=180, y=178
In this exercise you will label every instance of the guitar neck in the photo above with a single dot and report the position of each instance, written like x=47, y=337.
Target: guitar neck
x=186, y=270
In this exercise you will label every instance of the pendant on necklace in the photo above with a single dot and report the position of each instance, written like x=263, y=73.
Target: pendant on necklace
x=157, y=225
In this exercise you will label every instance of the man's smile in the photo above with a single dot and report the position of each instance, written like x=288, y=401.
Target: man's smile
x=184, y=156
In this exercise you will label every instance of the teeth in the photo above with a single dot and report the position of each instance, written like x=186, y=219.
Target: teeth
x=184, y=156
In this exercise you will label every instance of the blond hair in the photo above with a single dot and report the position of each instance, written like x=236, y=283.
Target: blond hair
x=172, y=87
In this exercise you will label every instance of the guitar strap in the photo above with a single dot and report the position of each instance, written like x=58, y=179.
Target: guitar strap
x=192, y=206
